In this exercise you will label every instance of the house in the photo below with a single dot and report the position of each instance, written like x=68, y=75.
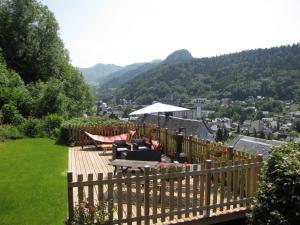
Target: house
x=255, y=145
x=192, y=127
x=193, y=113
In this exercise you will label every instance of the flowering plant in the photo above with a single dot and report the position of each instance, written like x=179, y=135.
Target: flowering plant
x=171, y=167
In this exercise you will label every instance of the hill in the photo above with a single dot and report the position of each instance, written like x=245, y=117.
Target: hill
x=115, y=80
x=95, y=74
x=179, y=55
x=273, y=72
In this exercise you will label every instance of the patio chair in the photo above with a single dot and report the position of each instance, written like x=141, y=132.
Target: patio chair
x=118, y=147
x=140, y=144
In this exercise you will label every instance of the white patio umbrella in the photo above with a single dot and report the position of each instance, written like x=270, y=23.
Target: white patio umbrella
x=158, y=108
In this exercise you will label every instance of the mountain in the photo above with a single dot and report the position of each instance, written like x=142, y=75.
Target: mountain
x=179, y=55
x=273, y=72
x=115, y=80
x=96, y=73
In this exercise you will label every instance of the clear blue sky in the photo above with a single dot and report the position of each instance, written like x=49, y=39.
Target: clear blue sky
x=128, y=31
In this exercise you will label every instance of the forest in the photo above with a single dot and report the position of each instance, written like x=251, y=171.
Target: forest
x=36, y=77
x=272, y=72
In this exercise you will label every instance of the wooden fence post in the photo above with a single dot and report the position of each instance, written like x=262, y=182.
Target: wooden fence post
x=230, y=153
x=190, y=156
x=166, y=141
x=208, y=153
x=179, y=141
x=158, y=133
x=208, y=163
x=70, y=197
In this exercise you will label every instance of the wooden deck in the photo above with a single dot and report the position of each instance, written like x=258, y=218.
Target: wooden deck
x=90, y=161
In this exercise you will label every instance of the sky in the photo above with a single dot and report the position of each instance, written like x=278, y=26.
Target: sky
x=123, y=32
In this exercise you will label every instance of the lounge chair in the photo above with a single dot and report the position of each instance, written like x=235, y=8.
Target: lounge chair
x=107, y=141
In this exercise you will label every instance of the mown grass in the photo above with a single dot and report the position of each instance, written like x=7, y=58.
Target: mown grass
x=33, y=182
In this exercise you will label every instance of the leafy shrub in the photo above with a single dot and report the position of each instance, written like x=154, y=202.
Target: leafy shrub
x=9, y=132
x=278, y=198
x=33, y=128
x=91, y=215
x=11, y=115
x=51, y=123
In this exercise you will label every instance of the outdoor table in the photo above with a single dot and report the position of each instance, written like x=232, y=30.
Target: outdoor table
x=133, y=164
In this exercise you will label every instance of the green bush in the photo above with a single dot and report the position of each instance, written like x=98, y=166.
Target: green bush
x=278, y=198
x=32, y=127
x=11, y=115
x=9, y=132
x=51, y=124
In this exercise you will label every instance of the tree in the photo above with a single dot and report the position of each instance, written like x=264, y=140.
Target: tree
x=259, y=115
x=238, y=130
x=225, y=134
x=296, y=125
x=29, y=40
x=32, y=47
x=219, y=135
x=277, y=200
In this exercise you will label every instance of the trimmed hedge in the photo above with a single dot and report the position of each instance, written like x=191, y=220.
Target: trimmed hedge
x=92, y=121
x=64, y=137
x=278, y=198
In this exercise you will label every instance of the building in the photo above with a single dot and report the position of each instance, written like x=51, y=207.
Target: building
x=255, y=145
x=192, y=127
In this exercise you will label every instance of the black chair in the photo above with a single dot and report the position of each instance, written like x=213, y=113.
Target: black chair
x=140, y=144
x=143, y=155
x=119, y=147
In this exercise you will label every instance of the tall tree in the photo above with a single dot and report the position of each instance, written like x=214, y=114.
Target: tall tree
x=29, y=39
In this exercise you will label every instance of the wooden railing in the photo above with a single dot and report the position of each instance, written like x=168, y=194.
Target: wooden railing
x=195, y=149
x=198, y=191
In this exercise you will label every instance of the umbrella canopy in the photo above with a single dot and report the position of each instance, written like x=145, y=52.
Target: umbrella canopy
x=158, y=108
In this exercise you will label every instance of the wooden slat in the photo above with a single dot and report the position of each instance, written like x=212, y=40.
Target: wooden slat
x=155, y=197
x=128, y=197
x=215, y=186
x=202, y=185
x=171, y=203
x=235, y=184
x=80, y=189
x=100, y=187
x=187, y=192
x=138, y=199
x=229, y=185
x=90, y=191
x=242, y=183
x=163, y=199
x=179, y=197
x=120, y=197
x=195, y=189
x=70, y=197
x=208, y=188
x=222, y=181
x=110, y=196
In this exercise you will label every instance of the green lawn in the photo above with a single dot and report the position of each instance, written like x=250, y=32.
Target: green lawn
x=33, y=182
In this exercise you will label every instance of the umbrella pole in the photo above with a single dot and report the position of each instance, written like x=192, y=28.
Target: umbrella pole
x=158, y=119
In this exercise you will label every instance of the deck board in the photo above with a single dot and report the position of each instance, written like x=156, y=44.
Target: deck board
x=91, y=161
